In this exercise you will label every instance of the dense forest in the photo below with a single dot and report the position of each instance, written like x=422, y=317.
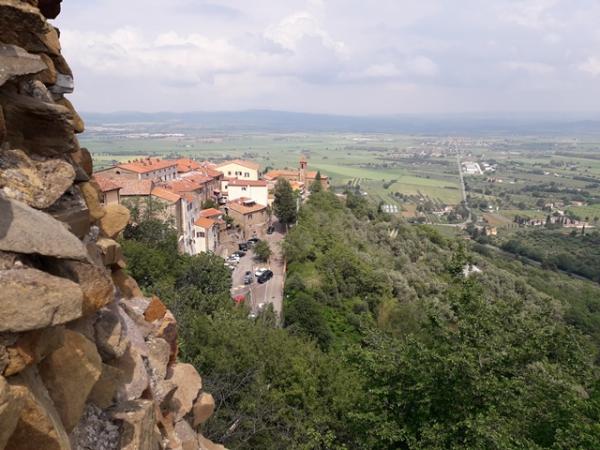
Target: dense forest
x=577, y=252
x=386, y=343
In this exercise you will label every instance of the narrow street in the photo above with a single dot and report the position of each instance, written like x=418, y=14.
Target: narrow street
x=270, y=292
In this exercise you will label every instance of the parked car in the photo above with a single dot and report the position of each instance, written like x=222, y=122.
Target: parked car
x=265, y=276
x=233, y=260
x=260, y=271
x=271, y=229
x=243, y=246
x=253, y=241
x=240, y=254
x=248, y=278
x=230, y=266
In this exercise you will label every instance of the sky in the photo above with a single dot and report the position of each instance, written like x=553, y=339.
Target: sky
x=356, y=57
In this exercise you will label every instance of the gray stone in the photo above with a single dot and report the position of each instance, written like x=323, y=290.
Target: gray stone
x=37, y=90
x=26, y=230
x=38, y=127
x=71, y=210
x=138, y=421
x=14, y=61
x=64, y=84
x=135, y=378
x=110, y=339
x=31, y=299
x=95, y=431
x=39, y=183
x=158, y=357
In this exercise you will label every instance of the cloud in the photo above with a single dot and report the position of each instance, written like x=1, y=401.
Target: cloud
x=591, y=66
x=347, y=56
x=529, y=67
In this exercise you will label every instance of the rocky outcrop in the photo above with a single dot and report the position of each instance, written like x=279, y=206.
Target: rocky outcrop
x=86, y=361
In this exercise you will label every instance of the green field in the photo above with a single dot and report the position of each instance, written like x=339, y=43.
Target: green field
x=372, y=159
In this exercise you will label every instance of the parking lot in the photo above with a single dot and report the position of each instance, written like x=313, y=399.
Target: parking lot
x=269, y=292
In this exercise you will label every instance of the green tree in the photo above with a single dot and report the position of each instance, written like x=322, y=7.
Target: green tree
x=272, y=390
x=262, y=251
x=285, y=203
x=210, y=203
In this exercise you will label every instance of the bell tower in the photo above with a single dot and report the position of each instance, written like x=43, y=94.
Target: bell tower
x=303, y=166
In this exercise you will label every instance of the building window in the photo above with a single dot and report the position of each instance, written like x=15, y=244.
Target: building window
x=247, y=174
x=229, y=173
x=244, y=189
x=200, y=234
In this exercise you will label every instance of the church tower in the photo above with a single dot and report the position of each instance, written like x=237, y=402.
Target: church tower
x=303, y=166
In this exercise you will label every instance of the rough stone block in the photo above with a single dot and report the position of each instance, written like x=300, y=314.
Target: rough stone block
x=70, y=373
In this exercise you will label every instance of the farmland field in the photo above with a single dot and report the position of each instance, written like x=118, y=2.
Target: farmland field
x=367, y=161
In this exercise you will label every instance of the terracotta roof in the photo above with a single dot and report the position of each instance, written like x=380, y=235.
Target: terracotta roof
x=147, y=165
x=165, y=194
x=240, y=207
x=198, y=177
x=185, y=165
x=209, y=169
x=241, y=162
x=204, y=222
x=296, y=185
x=135, y=187
x=106, y=184
x=183, y=185
x=258, y=183
x=274, y=174
x=210, y=212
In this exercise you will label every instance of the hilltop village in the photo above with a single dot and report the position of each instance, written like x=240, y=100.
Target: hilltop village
x=213, y=206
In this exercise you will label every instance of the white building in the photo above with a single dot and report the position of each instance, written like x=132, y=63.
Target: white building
x=206, y=231
x=258, y=190
x=243, y=170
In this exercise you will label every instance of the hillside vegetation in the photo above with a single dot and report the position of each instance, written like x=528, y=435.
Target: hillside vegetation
x=387, y=345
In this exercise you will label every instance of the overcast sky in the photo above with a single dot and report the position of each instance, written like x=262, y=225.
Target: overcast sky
x=334, y=56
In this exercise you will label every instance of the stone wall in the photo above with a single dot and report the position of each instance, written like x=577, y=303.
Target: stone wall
x=86, y=361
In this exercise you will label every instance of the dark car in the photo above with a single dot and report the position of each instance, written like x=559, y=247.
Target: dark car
x=243, y=246
x=265, y=276
x=253, y=241
x=271, y=230
x=248, y=278
x=240, y=253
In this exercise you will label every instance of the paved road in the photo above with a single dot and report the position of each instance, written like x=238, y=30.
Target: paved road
x=269, y=292
x=463, y=193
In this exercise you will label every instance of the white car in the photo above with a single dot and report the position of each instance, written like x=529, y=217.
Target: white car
x=260, y=271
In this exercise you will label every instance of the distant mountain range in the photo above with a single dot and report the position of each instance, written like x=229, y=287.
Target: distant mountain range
x=283, y=121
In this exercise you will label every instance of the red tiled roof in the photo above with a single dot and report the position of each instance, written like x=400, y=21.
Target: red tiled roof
x=147, y=165
x=165, y=194
x=240, y=207
x=183, y=185
x=198, y=177
x=210, y=212
x=135, y=187
x=274, y=174
x=106, y=184
x=204, y=222
x=185, y=165
x=241, y=162
x=258, y=183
